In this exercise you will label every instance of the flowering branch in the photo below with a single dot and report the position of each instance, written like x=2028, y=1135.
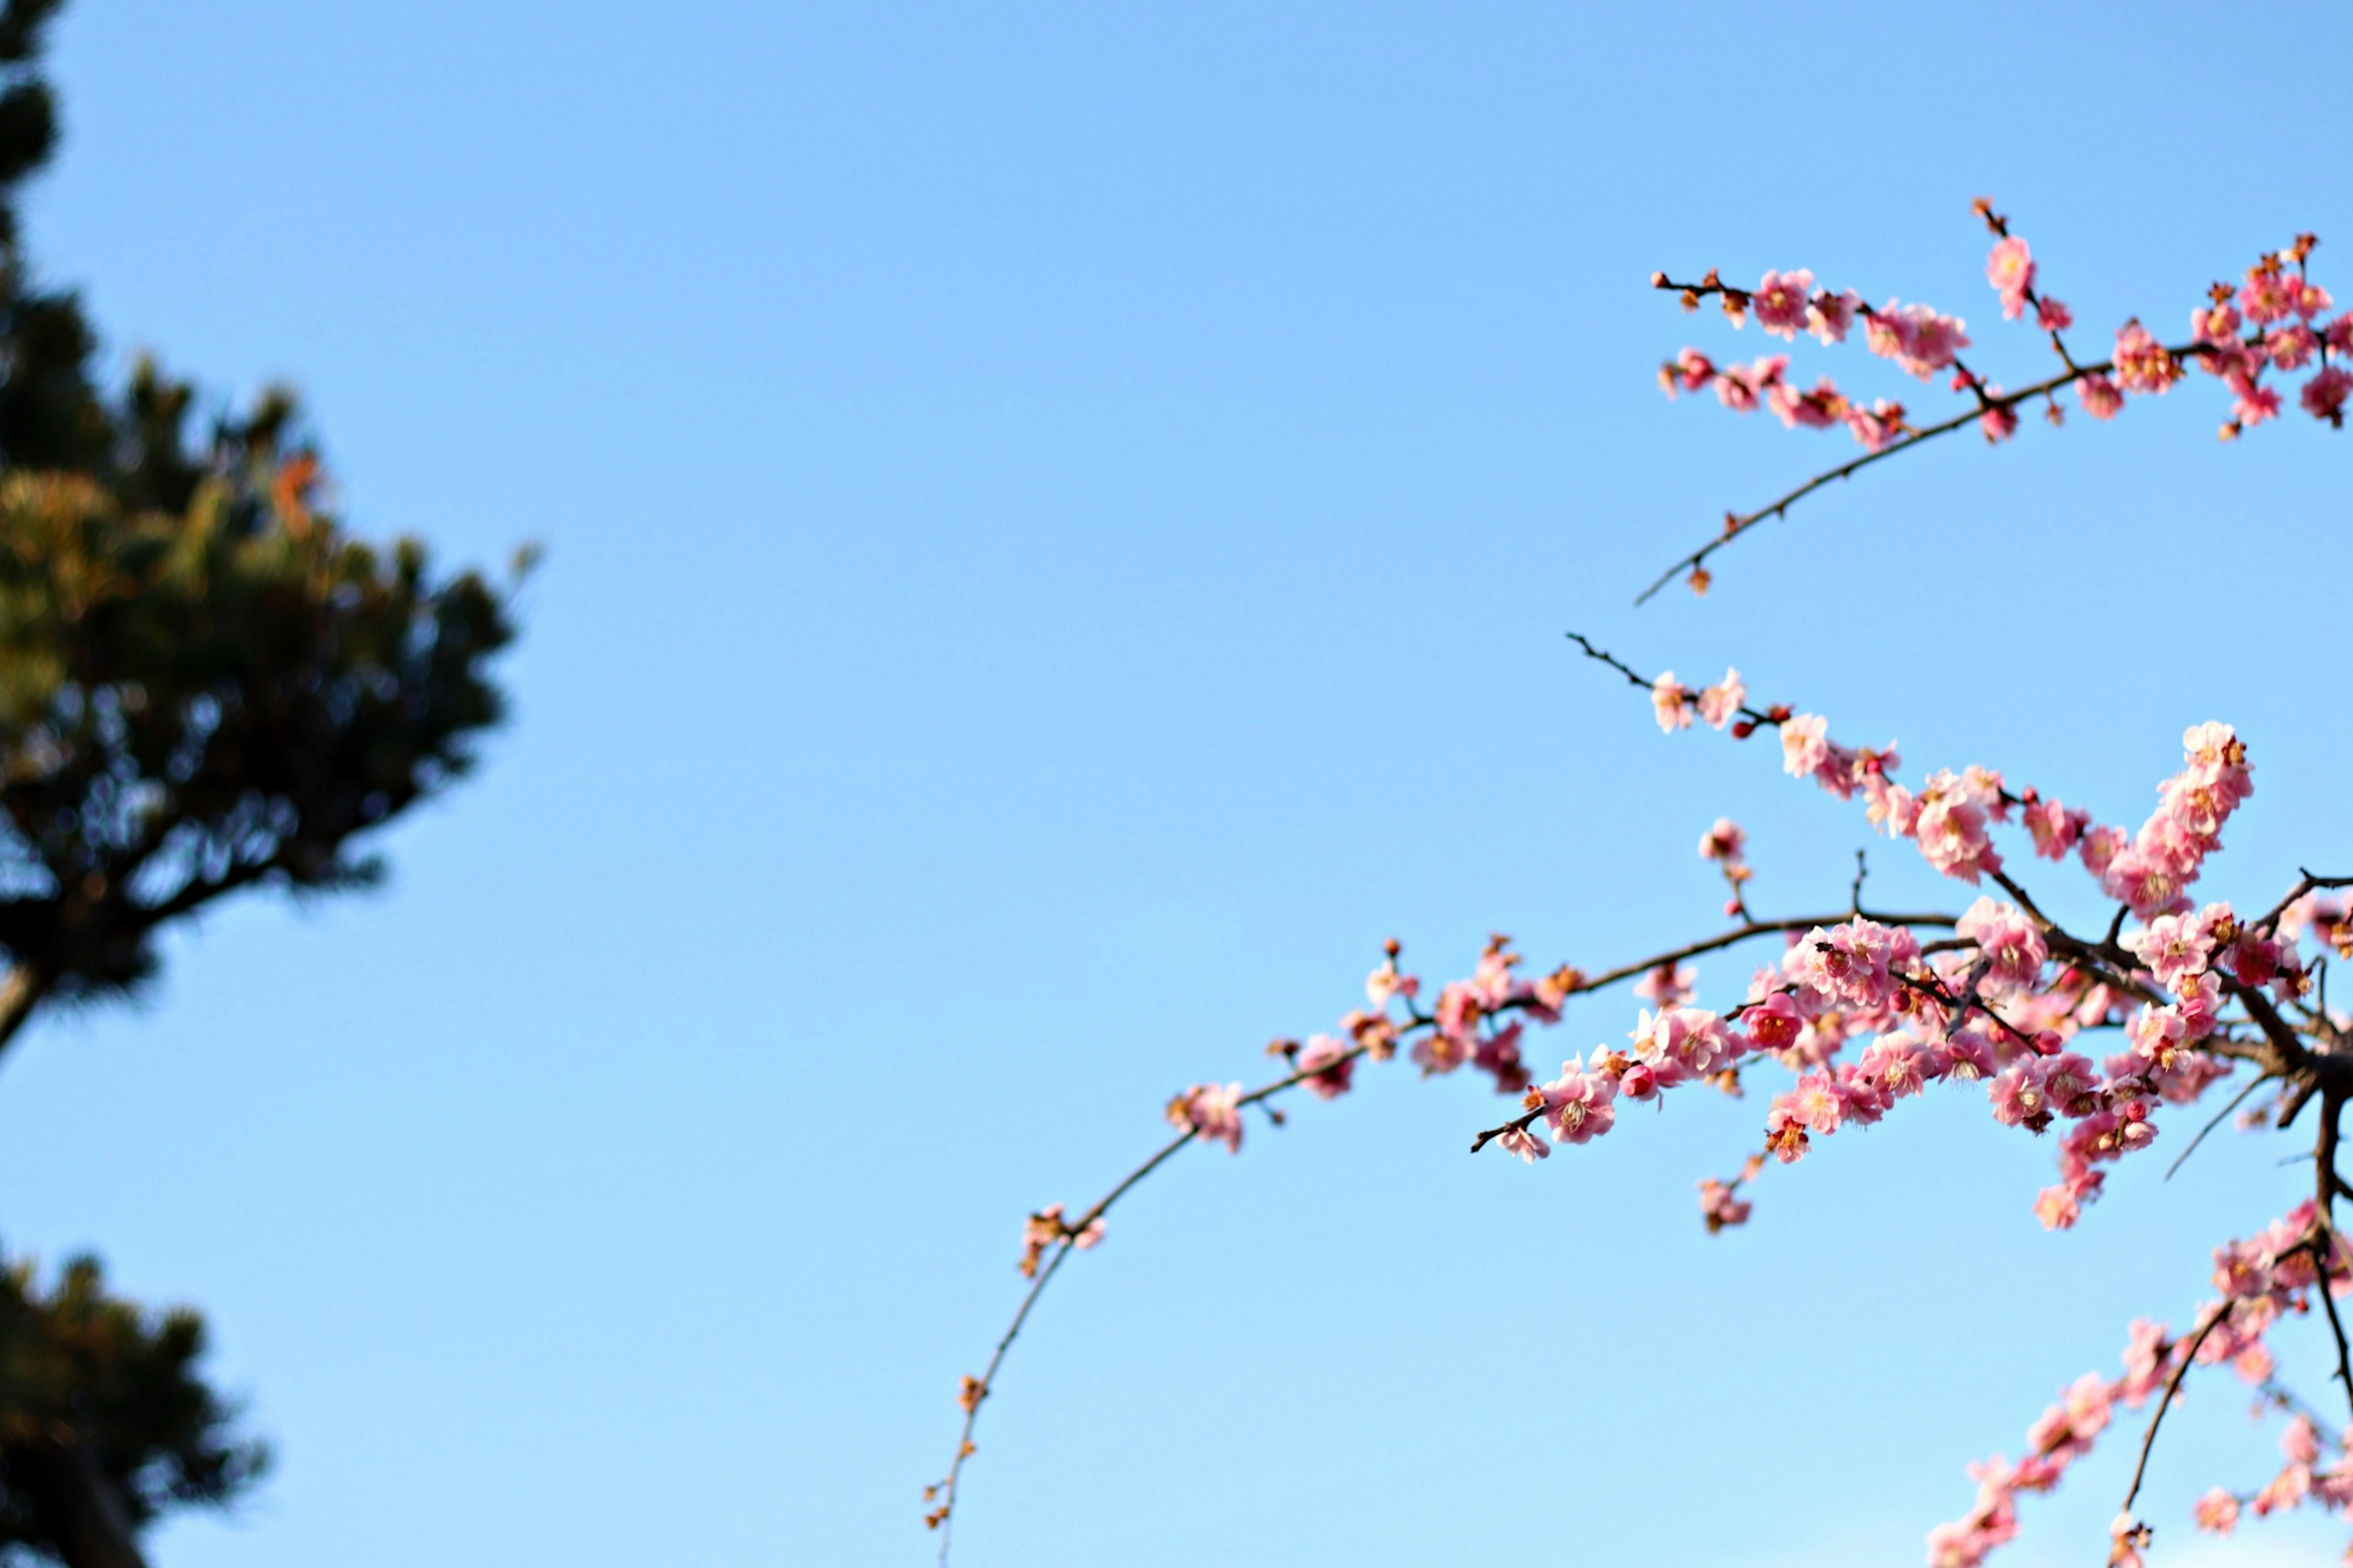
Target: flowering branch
x=2277, y=300
x=1864, y=1014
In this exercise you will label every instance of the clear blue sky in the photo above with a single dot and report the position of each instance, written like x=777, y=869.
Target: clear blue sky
x=1061, y=525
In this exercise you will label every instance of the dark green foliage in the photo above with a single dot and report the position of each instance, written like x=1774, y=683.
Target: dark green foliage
x=203, y=683
x=82, y=1369
x=206, y=684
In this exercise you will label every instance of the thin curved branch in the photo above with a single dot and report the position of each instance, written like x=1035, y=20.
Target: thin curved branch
x=1737, y=523
x=978, y=1390
x=2173, y=1386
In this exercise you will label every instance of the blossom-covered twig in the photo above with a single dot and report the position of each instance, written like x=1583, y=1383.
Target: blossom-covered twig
x=1865, y=1015
x=2277, y=305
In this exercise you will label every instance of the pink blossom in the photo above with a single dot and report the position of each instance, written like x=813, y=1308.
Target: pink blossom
x=1781, y=302
x=2099, y=848
x=1577, y=1105
x=2269, y=294
x=2099, y=396
x=1827, y=316
x=2017, y=1098
x=2325, y=395
x=1852, y=962
x=1688, y=370
x=2292, y=347
x=2009, y=942
x=1330, y=1066
x=2216, y=1512
x=1951, y=830
x=1720, y=1206
x=1816, y=1103
x=1210, y=1113
x=1682, y=1043
x=1805, y=745
x=2057, y=1208
x=1385, y=982
x=1917, y=337
x=2176, y=946
x=2053, y=827
x=1668, y=986
x=1671, y=702
x=1739, y=387
x=2053, y=316
x=2254, y=404
x=2142, y=365
x=2000, y=422
x=1772, y=1024
x=2011, y=270
x=1875, y=427
x=1723, y=842
x=1720, y=704
x=1526, y=1144
x=1900, y=1065
x=1817, y=410
x=2215, y=324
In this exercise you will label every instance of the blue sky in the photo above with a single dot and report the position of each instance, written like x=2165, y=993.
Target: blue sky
x=1060, y=525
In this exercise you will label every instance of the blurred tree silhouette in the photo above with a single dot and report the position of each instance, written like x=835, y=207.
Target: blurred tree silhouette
x=103, y=1420
x=204, y=685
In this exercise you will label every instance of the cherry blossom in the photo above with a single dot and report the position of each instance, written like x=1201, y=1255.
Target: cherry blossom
x=2094, y=1038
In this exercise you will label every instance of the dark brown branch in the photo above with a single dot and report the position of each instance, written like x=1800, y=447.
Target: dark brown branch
x=2173, y=1386
x=2308, y=883
x=2324, y=1237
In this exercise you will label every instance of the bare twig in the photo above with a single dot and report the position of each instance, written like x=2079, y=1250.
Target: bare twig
x=2173, y=1386
x=2236, y=1100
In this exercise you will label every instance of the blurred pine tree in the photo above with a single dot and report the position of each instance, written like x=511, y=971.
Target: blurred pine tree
x=205, y=685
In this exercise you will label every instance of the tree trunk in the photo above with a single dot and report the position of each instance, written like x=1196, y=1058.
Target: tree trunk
x=78, y=1504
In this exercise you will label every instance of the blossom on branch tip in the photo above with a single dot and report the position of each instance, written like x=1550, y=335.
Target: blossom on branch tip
x=1519, y=1141
x=2011, y=270
x=1721, y=1207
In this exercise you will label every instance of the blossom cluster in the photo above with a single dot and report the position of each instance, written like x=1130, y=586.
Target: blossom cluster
x=1863, y=1010
x=2261, y=1281
x=2275, y=320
